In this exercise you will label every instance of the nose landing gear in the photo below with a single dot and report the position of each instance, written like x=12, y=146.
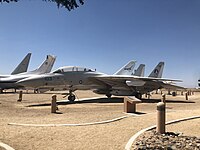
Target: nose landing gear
x=71, y=97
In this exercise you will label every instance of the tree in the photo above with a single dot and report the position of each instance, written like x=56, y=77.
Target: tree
x=69, y=4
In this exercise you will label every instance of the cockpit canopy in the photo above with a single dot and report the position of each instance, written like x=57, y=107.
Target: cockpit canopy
x=73, y=68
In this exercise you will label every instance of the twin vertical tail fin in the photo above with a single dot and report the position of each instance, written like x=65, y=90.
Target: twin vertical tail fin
x=140, y=71
x=46, y=66
x=23, y=66
x=126, y=69
x=157, y=72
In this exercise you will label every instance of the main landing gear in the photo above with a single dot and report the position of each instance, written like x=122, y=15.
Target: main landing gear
x=138, y=95
x=108, y=95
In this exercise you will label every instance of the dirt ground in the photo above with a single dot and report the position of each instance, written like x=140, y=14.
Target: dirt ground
x=35, y=109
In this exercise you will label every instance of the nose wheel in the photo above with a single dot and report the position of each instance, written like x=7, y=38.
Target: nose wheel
x=71, y=97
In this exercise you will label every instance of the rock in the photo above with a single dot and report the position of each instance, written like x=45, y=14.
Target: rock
x=190, y=144
x=169, y=148
x=173, y=147
x=198, y=141
x=137, y=143
x=168, y=141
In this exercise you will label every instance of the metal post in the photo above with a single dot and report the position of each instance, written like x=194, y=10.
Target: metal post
x=156, y=91
x=163, y=98
x=149, y=96
x=169, y=92
x=181, y=92
x=186, y=95
x=20, y=96
x=160, y=118
x=53, y=104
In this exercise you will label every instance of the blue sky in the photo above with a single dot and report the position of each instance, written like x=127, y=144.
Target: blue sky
x=105, y=35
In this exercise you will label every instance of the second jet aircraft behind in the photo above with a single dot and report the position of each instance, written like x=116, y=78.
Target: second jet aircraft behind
x=9, y=82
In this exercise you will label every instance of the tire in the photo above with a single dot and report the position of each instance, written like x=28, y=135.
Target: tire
x=138, y=95
x=71, y=98
x=108, y=95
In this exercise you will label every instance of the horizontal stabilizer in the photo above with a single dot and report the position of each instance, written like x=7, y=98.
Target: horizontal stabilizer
x=171, y=86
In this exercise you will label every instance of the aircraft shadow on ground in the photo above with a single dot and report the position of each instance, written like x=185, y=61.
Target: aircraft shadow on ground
x=108, y=100
x=96, y=100
x=8, y=93
x=167, y=101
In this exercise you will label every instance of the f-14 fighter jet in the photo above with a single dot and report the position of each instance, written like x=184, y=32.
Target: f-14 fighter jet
x=122, y=83
x=10, y=81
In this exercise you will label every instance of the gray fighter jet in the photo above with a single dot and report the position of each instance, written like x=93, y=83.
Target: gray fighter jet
x=22, y=67
x=79, y=78
x=10, y=81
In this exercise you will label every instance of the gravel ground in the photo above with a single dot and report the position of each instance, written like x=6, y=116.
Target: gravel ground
x=168, y=141
x=35, y=108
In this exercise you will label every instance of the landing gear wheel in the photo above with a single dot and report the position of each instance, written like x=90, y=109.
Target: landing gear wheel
x=1, y=90
x=71, y=98
x=138, y=95
x=109, y=95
